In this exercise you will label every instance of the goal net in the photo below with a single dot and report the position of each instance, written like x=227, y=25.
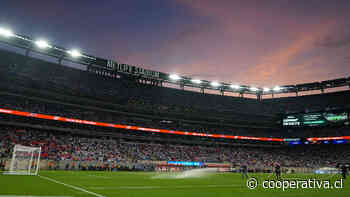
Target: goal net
x=25, y=160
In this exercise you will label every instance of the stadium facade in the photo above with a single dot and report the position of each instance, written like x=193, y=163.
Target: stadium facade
x=134, y=105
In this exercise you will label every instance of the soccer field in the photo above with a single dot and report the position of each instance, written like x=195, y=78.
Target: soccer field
x=110, y=184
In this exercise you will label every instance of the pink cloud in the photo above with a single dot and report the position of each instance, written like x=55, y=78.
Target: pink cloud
x=236, y=46
x=277, y=66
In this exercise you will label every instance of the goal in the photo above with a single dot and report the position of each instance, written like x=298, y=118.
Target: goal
x=25, y=160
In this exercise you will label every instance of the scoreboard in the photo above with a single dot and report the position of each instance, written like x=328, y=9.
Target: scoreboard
x=292, y=120
x=315, y=119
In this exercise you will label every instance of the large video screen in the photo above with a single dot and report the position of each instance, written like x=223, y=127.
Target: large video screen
x=315, y=119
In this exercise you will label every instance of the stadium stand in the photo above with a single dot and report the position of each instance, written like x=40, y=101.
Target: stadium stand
x=60, y=146
x=36, y=86
x=28, y=75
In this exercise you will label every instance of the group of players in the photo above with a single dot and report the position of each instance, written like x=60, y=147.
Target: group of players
x=277, y=170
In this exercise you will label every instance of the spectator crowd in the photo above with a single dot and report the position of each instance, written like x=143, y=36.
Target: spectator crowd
x=111, y=151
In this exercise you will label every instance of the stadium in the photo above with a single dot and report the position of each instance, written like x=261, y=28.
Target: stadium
x=110, y=129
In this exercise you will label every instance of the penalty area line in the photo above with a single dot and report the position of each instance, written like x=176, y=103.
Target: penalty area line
x=71, y=186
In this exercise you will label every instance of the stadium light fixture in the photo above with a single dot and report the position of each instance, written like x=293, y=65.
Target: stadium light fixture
x=74, y=53
x=214, y=84
x=42, y=44
x=254, y=89
x=6, y=32
x=277, y=88
x=174, y=77
x=266, y=89
x=197, y=81
x=235, y=86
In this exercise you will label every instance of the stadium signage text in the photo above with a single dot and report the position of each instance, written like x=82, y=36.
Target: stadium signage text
x=186, y=163
x=129, y=69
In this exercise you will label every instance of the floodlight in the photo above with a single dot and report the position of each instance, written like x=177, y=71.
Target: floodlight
x=214, y=83
x=42, y=44
x=277, y=88
x=6, y=32
x=174, y=77
x=253, y=89
x=235, y=86
x=266, y=89
x=74, y=53
x=197, y=81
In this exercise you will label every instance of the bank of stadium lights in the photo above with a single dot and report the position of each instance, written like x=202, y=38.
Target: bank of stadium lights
x=235, y=87
x=6, y=32
x=74, y=53
x=277, y=88
x=174, y=77
x=42, y=44
x=197, y=81
x=254, y=89
x=214, y=84
x=266, y=89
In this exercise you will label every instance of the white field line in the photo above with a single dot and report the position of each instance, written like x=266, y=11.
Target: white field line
x=30, y=196
x=71, y=186
x=164, y=187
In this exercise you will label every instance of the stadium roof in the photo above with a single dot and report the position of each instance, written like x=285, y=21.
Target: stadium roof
x=73, y=55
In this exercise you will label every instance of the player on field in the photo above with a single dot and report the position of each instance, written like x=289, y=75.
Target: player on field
x=3, y=165
x=278, y=171
x=344, y=171
x=244, y=171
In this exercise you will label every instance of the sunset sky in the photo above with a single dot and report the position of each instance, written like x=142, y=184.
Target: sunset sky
x=252, y=42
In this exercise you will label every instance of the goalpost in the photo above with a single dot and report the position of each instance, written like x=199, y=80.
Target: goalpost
x=25, y=160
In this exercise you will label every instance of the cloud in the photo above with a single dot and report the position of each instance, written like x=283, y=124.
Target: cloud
x=336, y=39
x=347, y=59
x=204, y=76
x=285, y=64
x=242, y=44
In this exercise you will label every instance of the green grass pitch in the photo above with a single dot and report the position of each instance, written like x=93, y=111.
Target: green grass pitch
x=113, y=184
